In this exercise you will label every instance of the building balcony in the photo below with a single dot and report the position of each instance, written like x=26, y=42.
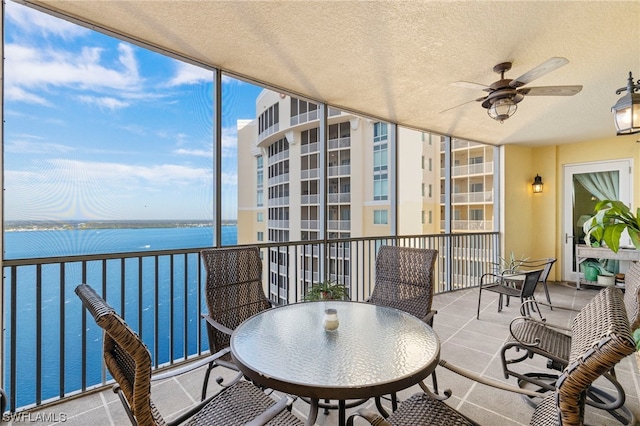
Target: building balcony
x=465, y=341
x=160, y=294
x=334, y=171
x=470, y=170
x=469, y=225
x=470, y=197
x=337, y=198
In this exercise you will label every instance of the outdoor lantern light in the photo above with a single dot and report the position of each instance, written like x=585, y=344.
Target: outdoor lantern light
x=626, y=112
x=537, y=185
x=501, y=109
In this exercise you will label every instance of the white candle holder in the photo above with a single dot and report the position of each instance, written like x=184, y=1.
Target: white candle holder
x=331, y=321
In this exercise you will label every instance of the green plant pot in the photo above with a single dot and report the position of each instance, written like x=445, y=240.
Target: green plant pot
x=590, y=273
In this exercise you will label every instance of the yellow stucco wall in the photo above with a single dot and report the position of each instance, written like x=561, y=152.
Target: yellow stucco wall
x=533, y=223
x=517, y=201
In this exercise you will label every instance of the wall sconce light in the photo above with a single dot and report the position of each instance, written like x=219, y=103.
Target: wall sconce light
x=626, y=112
x=537, y=184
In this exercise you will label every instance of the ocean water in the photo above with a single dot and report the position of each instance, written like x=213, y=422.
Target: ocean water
x=171, y=340
x=34, y=244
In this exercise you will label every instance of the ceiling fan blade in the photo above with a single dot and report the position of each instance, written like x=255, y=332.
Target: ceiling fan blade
x=471, y=85
x=468, y=102
x=550, y=90
x=539, y=71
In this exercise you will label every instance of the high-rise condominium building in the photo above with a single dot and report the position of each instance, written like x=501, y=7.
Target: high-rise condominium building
x=285, y=180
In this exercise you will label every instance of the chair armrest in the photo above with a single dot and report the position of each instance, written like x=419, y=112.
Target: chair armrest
x=485, y=380
x=496, y=278
x=270, y=413
x=215, y=324
x=190, y=366
x=564, y=308
x=534, y=303
x=542, y=323
x=369, y=415
x=429, y=317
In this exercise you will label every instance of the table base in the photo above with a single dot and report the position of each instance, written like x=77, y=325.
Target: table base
x=341, y=406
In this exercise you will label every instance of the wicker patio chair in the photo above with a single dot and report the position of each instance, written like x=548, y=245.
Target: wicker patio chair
x=129, y=362
x=233, y=293
x=529, y=337
x=595, y=350
x=405, y=280
x=503, y=284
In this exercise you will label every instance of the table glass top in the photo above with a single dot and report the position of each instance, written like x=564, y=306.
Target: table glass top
x=373, y=345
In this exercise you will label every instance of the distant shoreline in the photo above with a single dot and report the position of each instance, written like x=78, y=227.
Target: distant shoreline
x=60, y=225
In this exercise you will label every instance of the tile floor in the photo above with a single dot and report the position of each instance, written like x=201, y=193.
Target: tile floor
x=466, y=341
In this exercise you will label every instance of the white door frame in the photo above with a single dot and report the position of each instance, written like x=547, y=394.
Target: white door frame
x=624, y=166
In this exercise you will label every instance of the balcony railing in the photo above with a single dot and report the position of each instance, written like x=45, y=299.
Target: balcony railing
x=53, y=350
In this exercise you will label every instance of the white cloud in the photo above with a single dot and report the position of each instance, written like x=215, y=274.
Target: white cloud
x=104, y=102
x=163, y=174
x=27, y=144
x=33, y=70
x=194, y=152
x=229, y=142
x=32, y=21
x=189, y=74
x=18, y=94
x=230, y=179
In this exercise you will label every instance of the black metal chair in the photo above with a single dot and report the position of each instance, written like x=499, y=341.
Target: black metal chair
x=546, y=265
x=521, y=284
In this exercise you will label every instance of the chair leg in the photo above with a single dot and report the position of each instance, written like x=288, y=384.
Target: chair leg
x=479, y=297
x=546, y=292
x=205, y=384
x=435, y=382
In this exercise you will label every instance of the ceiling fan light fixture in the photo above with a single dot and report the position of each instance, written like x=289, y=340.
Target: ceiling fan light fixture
x=626, y=112
x=501, y=109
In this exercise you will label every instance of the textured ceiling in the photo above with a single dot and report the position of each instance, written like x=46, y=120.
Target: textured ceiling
x=396, y=60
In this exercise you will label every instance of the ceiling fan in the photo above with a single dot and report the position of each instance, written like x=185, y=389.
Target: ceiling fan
x=505, y=94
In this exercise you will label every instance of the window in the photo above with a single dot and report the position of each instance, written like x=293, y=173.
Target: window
x=380, y=157
x=430, y=190
x=380, y=187
x=260, y=236
x=476, y=187
x=259, y=180
x=422, y=216
x=430, y=164
x=379, y=132
x=476, y=160
x=260, y=217
x=430, y=216
x=302, y=111
x=423, y=189
x=476, y=214
x=269, y=118
x=380, y=217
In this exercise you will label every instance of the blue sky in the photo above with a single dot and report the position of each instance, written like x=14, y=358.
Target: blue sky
x=96, y=128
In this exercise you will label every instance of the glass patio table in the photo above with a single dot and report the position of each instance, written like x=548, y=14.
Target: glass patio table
x=374, y=351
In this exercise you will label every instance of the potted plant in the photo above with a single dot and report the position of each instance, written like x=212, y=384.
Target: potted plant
x=326, y=290
x=612, y=218
x=510, y=264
